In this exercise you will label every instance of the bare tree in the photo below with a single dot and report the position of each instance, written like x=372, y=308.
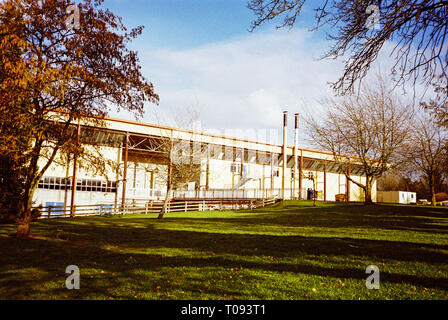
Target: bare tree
x=396, y=179
x=417, y=27
x=439, y=104
x=183, y=161
x=371, y=126
x=426, y=152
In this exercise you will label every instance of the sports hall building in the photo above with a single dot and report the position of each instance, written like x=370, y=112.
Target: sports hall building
x=229, y=168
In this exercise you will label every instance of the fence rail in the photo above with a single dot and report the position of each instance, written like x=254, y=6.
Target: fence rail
x=135, y=206
x=234, y=194
x=142, y=193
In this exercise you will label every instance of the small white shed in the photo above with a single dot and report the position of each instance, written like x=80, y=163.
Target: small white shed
x=401, y=197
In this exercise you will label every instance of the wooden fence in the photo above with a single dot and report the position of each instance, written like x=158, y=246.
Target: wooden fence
x=137, y=206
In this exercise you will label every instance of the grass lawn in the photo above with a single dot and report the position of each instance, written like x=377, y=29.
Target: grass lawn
x=287, y=251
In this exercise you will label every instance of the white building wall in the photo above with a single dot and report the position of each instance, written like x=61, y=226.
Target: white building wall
x=332, y=186
x=357, y=193
x=56, y=170
x=220, y=175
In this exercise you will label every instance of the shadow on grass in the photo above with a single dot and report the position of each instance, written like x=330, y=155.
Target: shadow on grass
x=125, y=246
x=330, y=215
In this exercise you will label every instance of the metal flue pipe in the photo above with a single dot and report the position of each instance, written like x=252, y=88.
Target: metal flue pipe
x=296, y=153
x=285, y=127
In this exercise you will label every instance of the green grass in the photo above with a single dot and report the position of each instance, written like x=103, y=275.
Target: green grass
x=286, y=251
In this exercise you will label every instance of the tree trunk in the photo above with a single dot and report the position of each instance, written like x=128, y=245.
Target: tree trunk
x=432, y=189
x=433, y=195
x=23, y=228
x=24, y=216
x=165, y=203
x=368, y=192
x=433, y=198
x=24, y=221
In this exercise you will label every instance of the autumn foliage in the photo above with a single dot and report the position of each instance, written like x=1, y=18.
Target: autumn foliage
x=47, y=67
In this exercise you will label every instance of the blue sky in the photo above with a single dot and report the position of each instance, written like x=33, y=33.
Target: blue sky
x=182, y=24
x=200, y=57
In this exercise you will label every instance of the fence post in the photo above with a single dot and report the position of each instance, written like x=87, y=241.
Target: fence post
x=186, y=206
x=49, y=211
x=146, y=207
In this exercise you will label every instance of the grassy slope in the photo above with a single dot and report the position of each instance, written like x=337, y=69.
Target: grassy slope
x=287, y=251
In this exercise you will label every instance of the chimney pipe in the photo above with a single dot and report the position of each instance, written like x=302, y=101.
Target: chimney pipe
x=296, y=153
x=285, y=158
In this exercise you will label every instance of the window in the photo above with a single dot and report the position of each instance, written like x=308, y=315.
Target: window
x=51, y=183
x=235, y=167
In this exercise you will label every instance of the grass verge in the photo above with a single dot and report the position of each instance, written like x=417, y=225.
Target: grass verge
x=287, y=251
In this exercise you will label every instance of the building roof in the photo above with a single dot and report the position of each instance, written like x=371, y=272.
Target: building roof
x=113, y=131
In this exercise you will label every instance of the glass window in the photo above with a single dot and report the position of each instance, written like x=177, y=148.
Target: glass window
x=235, y=167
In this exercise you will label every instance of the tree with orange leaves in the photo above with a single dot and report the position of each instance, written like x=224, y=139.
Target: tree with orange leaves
x=51, y=64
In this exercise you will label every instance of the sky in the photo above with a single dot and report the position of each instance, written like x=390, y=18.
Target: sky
x=201, y=57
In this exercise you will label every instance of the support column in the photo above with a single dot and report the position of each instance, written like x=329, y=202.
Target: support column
x=300, y=174
x=151, y=181
x=67, y=177
x=170, y=166
x=134, y=185
x=207, y=174
x=75, y=170
x=263, y=178
x=272, y=171
x=325, y=180
x=117, y=178
x=125, y=170
x=349, y=173
x=242, y=164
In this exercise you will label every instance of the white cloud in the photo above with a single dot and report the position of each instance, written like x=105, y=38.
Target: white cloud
x=244, y=83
